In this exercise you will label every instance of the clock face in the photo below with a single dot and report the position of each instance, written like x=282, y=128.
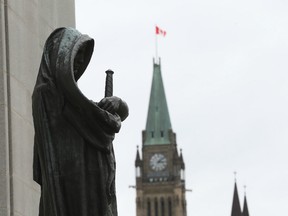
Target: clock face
x=158, y=162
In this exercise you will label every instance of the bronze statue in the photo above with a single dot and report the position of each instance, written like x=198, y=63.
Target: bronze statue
x=73, y=154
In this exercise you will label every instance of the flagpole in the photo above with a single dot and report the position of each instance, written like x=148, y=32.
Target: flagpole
x=156, y=48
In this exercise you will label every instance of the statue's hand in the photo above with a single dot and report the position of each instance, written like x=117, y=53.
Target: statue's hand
x=114, y=105
x=110, y=104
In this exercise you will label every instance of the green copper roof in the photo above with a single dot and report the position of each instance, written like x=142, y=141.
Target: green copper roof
x=158, y=121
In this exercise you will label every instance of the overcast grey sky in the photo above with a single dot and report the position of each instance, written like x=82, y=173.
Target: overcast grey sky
x=225, y=71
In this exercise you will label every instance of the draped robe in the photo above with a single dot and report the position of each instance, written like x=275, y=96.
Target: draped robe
x=73, y=154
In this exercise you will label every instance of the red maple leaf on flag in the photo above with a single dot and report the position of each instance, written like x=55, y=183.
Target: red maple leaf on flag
x=160, y=31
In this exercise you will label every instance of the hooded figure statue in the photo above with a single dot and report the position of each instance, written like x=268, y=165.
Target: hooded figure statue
x=73, y=154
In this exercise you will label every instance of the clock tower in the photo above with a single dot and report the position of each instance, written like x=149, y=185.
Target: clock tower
x=160, y=182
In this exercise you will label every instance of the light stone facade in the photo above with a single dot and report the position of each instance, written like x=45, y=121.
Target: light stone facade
x=24, y=27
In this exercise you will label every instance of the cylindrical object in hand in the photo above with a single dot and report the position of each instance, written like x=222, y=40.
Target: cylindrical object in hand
x=109, y=83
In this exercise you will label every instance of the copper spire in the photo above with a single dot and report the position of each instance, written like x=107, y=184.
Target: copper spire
x=158, y=122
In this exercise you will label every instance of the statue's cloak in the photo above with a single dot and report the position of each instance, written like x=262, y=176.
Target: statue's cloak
x=73, y=153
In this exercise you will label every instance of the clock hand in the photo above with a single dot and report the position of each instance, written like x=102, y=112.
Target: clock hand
x=160, y=160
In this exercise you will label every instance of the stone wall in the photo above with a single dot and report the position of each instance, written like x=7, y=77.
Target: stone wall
x=24, y=27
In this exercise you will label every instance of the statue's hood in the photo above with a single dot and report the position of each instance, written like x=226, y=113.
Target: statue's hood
x=74, y=54
x=66, y=55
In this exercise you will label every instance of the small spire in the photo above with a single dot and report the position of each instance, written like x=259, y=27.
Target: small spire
x=245, y=206
x=236, y=209
x=181, y=156
x=138, y=159
x=182, y=160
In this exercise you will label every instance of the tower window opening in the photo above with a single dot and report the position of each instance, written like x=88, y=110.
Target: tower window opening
x=169, y=207
x=162, y=207
x=156, y=207
x=162, y=133
x=138, y=202
x=138, y=171
x=148, y=208
x=152, y=134
x=182, y=174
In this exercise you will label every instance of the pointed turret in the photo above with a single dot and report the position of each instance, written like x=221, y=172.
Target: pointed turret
x=245, y=207
x=182, y=160
x=138, y=165
x=138, y=159
x=236, y=209
x=158, y=123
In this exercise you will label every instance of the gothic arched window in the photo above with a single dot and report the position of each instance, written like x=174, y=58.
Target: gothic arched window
x=169, y=207
x=148, y=207
x=156, y=207
x=162, y=207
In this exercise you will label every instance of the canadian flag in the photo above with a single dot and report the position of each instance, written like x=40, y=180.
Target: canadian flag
x=160, y=31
